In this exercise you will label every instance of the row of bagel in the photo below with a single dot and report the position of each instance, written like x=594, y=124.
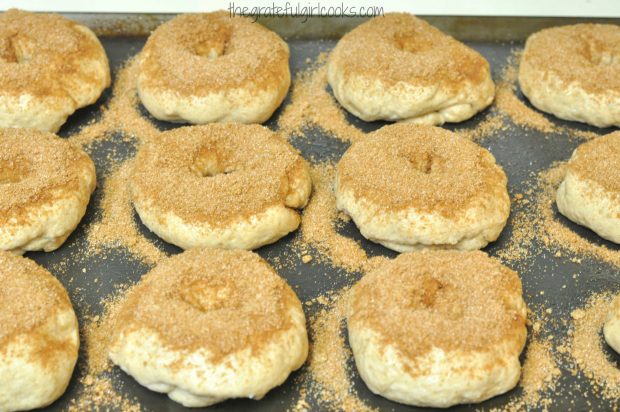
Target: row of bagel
x=203, y=68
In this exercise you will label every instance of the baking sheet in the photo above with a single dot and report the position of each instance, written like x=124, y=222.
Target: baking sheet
x=520, y=151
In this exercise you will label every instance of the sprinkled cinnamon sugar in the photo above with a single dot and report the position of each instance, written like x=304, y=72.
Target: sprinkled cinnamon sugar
x=98, y=332
x=329, y=357
x=122, y=114
x=536, y=221
x=540, y=373
x=199, y=54
x=492, y=124
x=98, y=393
x=586, y=346
x=220, y=300
x=507, y=103
x=319, y=219
x=542, y=367
x=552, y=231
x=437, y=171
x=312, y=105
x=445, y=299
x=117, y=226
x=524, y=229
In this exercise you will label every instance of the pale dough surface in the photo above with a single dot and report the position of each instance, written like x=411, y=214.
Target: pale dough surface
x=408, y=230
x=197, y=381
x=454, y=377
x=26, y=384
x=244, y=233
x=589, y=195
x=588, y=204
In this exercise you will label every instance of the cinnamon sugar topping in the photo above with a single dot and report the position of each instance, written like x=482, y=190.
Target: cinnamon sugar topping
x=216, y=173
x=37, y=169
x=445, y=299
x=586, y=54
x=44, y=55
x=29, y=296
x=207, y=298
x=437, y=171
x=198, y=54
x=399, y=47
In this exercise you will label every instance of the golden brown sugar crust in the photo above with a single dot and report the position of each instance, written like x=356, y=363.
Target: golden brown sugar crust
x=216, y=173
x=219, y=300
x=586, y=54
x=449, y=300
x=599, y=161
x=43, y=55
x=427, y=168
x=400, y=47
x=199, y=54
x=29, y=296
x=37, y=169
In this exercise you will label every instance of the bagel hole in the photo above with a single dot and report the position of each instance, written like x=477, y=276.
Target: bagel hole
x=425, y=295
x=206, y=295
x=208, y=164
x=412, y=42
x=211, y=50
x=211, y=171
x=422, y=162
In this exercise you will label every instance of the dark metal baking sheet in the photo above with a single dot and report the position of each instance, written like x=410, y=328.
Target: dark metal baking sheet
x=519, y=151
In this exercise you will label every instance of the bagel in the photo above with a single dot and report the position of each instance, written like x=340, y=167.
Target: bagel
x=410, y=186
x=438, y=328
x=45, y=187
x=589, y=195
x=39, y=338
x=49, y=67
x=611, y=329
x=228, y=186
x=573, y=72
x=399, y=68
x=211, y=67
x=208, y=325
